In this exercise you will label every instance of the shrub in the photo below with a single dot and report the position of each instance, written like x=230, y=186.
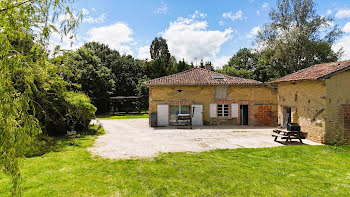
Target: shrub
x=80, y=111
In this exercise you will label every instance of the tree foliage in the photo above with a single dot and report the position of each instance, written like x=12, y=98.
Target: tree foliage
x=159, y=49
x=86, y=68
x=101, y=72
x=297, y=37
x=244, y=59
x=25, y=27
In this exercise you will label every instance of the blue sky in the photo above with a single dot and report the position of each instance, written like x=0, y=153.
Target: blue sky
x=195, y=29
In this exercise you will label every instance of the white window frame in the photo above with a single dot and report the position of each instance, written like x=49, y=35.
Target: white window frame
x=223, y=113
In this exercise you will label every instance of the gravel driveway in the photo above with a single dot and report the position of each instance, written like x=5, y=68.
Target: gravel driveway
x=132, y=138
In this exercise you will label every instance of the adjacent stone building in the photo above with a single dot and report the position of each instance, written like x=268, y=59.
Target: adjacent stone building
x=211, y=98
x=318, y=99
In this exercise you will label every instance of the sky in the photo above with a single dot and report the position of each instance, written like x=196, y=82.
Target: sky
x=212, y=30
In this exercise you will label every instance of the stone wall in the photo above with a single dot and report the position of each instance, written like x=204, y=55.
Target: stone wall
x=338, y=99
x=254, y=96
x=307, y=100
x=346, y=119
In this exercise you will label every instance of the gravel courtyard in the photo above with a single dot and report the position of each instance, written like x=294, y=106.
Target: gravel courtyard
x=132, y=138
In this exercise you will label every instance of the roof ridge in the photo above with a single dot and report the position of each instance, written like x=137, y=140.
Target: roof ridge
x=200, y=76
x=315, y=72
x=173, y=74
x=230, y=75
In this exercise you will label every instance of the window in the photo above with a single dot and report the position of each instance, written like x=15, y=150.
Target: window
x=223, y=110
x=221, y=93
x=178, y=109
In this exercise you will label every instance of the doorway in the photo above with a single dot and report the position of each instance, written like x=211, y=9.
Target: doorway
x=287, y=116
x=244, y=115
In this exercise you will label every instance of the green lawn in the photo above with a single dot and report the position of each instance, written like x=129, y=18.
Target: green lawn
x=281, y=171
x=108, y=117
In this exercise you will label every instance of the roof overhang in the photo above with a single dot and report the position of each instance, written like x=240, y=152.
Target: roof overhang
x=334, y=73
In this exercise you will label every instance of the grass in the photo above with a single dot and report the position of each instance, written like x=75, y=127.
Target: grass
x=280, y=171
x=108, y=117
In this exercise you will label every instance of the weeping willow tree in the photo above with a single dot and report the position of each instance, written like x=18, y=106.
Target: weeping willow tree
x=25, y=29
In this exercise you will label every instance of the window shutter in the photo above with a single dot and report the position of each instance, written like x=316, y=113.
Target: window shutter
x=213, y=109
x=221, y=92
x=234, y=110
x=162, y=115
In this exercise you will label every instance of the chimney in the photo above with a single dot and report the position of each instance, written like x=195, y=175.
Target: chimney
x=208, y=66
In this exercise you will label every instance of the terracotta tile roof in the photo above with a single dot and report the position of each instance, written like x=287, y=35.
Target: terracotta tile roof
x=200, y=76
x=315, y=72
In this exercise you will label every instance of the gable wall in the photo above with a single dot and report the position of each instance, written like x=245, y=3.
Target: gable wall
x=307, y=100
x=338, y=109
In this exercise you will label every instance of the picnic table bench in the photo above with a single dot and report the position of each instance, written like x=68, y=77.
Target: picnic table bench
x=187, y=118
x=287, y=135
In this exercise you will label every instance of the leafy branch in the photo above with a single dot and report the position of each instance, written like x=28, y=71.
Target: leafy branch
x=16, y=5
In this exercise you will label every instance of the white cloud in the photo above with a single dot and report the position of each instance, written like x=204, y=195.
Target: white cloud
x=144, y=53
x=221, y=23
x=162, y=9
x=329, y=12
x=118, y=36
x=87, y=18
x=92, y=20
x=344, y=43
x=346, y=28
x=221, y=61
x=236, y=16
x=343, y=13
x=198, y=14
x=265, y=5
x=258, y=12
x=254, y=32
x=65, y=42
x=189, y=38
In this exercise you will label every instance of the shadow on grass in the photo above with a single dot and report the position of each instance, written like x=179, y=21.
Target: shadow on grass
x=44, y=144
x=122, y=116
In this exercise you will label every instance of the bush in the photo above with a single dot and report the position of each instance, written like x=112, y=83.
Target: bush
x=58, y=110
x=80, y=111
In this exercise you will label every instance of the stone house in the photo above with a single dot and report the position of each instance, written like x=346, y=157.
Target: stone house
x=318, y=99
x=211, y=98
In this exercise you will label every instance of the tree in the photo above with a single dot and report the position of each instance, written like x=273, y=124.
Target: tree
x=249, y=63
x=24, y=24
x=157, y=68
x=159, y=49
x=297, y=37
x=86, y=66
x=111, y=73
x=229, y=70
x=183, y=66
x=244, y=59
x=142, y=92
x=126, y=72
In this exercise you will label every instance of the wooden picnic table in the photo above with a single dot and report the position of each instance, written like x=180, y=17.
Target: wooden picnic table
x=288, y=135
